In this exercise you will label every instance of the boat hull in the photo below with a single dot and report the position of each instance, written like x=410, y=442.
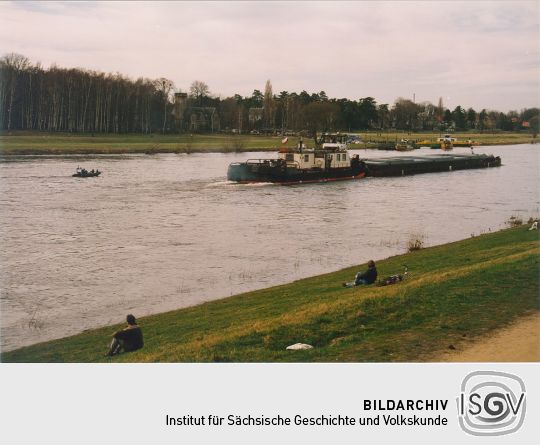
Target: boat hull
x=86, y=175
x=249, y=172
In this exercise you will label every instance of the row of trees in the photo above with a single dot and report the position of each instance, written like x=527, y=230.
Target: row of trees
x=77, y=100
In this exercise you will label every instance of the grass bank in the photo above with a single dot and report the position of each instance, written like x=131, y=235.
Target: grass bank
x=35, y=143
x=61, y=143
x=455, y=291
x=486, y=138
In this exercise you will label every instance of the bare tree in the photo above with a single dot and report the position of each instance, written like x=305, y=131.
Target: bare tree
x=439, y=111
x=269, y=105
x=15, y=64
x=199, y=90
x=165, y=87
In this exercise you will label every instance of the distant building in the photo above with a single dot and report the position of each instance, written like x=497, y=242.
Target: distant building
x=199, y=119
x=180, y=106
x=202, y=119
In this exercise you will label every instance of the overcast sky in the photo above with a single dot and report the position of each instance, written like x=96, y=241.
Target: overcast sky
x=474, y=53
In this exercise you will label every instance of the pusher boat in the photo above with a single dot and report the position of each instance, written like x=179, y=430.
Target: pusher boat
x=328, y=161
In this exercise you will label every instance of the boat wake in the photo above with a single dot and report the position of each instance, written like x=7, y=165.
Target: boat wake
x=257, y=184
x=219, y=184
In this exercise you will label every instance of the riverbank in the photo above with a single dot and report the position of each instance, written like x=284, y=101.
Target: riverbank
x=456, y=292
x=36, y=143
x=486, y=138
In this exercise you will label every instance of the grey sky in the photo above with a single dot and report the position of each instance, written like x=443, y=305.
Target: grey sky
x=479, y=54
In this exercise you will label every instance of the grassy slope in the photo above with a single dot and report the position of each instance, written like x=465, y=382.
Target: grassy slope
x=460, y=289
x=61, y=143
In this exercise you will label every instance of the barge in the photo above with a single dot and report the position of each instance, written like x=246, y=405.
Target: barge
x=411, y=165
x=330, y=161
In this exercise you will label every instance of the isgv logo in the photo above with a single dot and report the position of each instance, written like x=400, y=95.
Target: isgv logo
x=491, y=403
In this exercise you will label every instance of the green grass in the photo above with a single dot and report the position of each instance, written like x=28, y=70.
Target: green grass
x=61, y=143
x=486, y=138
x=460, y=289
x=36, y=143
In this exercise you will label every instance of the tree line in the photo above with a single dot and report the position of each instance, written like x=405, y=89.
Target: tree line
x=78, y=100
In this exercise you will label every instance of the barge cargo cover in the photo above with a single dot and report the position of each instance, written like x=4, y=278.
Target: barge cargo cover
x=411, y=165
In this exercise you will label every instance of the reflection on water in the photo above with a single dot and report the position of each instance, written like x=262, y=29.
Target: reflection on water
x=155, y=233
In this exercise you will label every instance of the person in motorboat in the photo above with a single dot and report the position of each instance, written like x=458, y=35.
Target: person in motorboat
x=367, y=277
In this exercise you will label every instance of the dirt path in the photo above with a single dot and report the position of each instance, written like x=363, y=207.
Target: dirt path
x=519, y=342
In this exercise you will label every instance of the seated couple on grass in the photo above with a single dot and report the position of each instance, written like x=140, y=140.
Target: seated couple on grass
x=367, y=277
x=128, y=339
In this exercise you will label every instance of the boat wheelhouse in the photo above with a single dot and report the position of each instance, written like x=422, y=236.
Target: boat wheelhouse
x=447, y=138
x=446, y=142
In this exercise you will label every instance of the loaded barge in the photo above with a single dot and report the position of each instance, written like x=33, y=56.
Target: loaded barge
x=330, y=161
x=411, y=165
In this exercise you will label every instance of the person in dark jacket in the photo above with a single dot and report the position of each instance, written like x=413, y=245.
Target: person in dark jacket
x=367, y=277
x=128, y=339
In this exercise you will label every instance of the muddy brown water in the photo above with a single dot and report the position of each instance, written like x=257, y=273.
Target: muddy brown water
x=161, y=232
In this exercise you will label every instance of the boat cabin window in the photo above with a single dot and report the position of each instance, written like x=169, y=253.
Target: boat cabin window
x=306, y=158
x=338, y=157
x=289, y=157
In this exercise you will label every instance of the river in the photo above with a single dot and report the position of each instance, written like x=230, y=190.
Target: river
x=160, y=232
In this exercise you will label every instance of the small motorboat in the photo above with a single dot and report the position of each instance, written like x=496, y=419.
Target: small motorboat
x=83, y=173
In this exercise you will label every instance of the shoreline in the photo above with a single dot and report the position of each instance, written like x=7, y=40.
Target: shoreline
x=58, y=144
x=450, y=298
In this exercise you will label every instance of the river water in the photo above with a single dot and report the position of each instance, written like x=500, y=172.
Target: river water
x=160, y=232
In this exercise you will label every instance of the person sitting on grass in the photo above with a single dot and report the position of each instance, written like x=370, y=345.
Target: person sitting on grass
x=128, y=339
x=367, y=277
